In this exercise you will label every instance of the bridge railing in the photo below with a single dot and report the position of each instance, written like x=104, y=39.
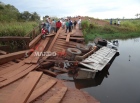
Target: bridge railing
x=33, y=33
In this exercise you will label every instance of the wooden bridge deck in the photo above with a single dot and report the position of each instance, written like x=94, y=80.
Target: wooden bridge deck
x=13, y=73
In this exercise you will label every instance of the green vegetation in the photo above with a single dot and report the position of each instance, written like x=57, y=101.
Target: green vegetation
x=9, y=13
x=16, y=28
x=127, y=29
x=14, y=23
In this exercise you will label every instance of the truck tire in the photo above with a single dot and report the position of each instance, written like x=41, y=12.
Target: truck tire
x=73, y=51
x=102, y=43
x=83, y=48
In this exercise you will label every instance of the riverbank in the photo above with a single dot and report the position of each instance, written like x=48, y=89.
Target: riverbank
x=127, y=29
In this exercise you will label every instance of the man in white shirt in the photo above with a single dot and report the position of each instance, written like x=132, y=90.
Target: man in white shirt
x=79, y=23
x=119, y=22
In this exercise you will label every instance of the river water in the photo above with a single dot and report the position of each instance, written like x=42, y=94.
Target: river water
x=120, y=83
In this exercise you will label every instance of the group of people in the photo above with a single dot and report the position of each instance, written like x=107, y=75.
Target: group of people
x=115, y=23
x=51, y=26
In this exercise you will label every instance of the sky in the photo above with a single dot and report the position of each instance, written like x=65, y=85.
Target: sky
x=101, y=9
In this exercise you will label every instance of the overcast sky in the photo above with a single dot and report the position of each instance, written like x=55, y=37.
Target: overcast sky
x=101, y=9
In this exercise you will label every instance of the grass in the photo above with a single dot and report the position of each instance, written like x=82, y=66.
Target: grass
x=16, y=28
x=127, y=29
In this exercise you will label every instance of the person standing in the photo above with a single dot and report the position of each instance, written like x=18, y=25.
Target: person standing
x=49, y=29
x=75, y=22
x=53, y=26
x=70, y=25
x=47, y=26
x=63, y=24
x=119, y=22
x=58, y=25
x=67, y=25
x=79, y=23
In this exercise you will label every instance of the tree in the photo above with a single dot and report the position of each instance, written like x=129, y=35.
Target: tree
x=35, y=16
x=25, y=15
x=8, y=12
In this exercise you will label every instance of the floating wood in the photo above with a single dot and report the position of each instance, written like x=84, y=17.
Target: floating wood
x=41, y=90
x=56, y=98
x=25, y=88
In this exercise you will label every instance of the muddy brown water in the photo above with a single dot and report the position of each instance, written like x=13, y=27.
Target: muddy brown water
x=119, y=83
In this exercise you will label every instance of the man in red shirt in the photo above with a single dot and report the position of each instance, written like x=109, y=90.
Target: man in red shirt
x=58, y=25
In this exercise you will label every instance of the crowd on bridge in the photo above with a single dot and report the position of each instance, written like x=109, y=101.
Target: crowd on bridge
x=52, y=26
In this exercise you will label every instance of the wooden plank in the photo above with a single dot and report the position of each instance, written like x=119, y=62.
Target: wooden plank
x=11, y=68
x=48, y=71
x=50, y=35
x=11, y=38
x=5, y=47
x=68, y=37
x=5, y=64
x=41, y=90
x=25, y=88
x=64, y=44
x=2, y=52
x=56, y=98
x=12, y=63
x=32, y=56
x=12, y=56
x=54, y=40
x=70, y=42
x=39, y=50
x=74, y=96
x=16, y=71
x=47, y=64
x=56, y=50
x=18, y=76
x=35, y=41
x=61, y=46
